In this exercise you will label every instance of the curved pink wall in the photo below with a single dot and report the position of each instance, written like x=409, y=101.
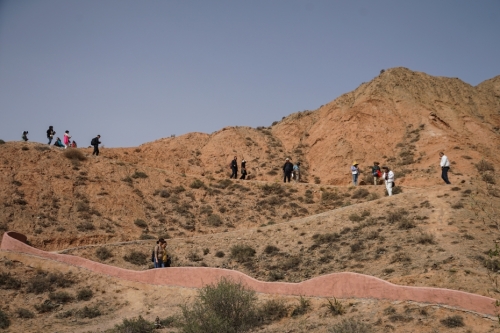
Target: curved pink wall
x=340, y=285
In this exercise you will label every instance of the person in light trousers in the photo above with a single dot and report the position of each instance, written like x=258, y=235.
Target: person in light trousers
x=388, y=176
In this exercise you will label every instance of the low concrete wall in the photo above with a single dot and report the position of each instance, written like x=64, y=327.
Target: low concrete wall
x=340, y=285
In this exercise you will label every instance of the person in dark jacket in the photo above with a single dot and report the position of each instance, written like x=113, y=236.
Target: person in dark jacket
x=287, y=170
x=243, y=169
x=50, y=134
x=95, y=142
x=234, y=168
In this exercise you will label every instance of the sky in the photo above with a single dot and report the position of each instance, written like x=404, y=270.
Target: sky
x=138, y=71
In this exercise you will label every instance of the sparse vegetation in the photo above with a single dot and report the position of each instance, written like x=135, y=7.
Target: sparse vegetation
x=350, y=325
x=196, y=184
x=273, y=309
x=136, y=258
x=74, y=154
x=89, y=312
x=4, y=320
x=60, y=297
x=139, y=174
x=214, y=220
x=134, y=325
x=7, y=281
x=45, y=282
x=483, y=166
x=140, y=223
x=242, y=253
x=103, y=253
x=25, y=313
x=84, y=294
x=453, y=321
x=302, y=308
x=336, y=308
x=219, y=254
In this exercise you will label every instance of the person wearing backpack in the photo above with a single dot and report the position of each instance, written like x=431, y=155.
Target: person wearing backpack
x=50, y=134
x=388, y=176
x=95, y=142
x=287, y=170
x=376, y=172
x=234, y=168
x=25, y=136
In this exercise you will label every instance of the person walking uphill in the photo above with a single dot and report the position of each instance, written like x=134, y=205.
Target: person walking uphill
x=287, y=170
x=234, y=168
x=388, y=176
x=95, y=142
x=50, y=134
x=355, y=173
x=445, y=167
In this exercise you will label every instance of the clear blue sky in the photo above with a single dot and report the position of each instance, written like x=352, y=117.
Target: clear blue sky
x=136, y=71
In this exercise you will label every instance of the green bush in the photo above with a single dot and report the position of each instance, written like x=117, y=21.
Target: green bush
x=25, y=313
x=136, y=258
x=226, y=307
x=350, y=325
x=103, y=253
x=84, y=294
x=336, y=308
x=242, y=253
x=4, y=320
x=74, y=154
x=134, y=325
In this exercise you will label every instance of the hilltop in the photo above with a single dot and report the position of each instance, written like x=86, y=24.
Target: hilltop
x=428, y=234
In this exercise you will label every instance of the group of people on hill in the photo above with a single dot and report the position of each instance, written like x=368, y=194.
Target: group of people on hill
x=66, y=142
x=388, y=175
x=290, y=171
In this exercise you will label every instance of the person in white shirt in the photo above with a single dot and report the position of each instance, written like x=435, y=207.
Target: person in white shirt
x=355, y=173
x=445, y=166
x=388, y=176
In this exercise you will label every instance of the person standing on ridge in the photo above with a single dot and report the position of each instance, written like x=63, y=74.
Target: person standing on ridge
x=296, y=172
x=50, y=134
x=234, y=168
x=25, y=136
x=389, y=179
x=355, y=173
x=287, y=170
x=445, y=167
x=66, y=139
x=95, y=142
x=243, y=169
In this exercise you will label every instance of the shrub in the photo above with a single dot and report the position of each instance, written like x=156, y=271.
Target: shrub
x=273, y=189
x=9, y=282
x=453, y=321
x=2, y=142
x=457, y=205
x=220, y=254
x=214, y=220
x=355, y=218
x=396, y=216
x=60, y=297
x=140, y=223
x=225, y=307
x=242, y=253
x=44, y=282
x=134, y=325
x=74, y=154
x=139, y=174
x=4, y=320
x=360, y=193
x=46, y=306
x=103, y=253
x=426, y=238
x=483, y=166
x=25, y=313
x=197, y=184
x=136, y=258
x=406, y=223
x=489, y=178
x=326, y=238
x=350, y=325
x=274, y=309
x=336, y=308
x=302, y=308
x=84, y=294
x=89, y=312
x=178, y=189
x=85, y=226
x=164, y=194
x=271, y=249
